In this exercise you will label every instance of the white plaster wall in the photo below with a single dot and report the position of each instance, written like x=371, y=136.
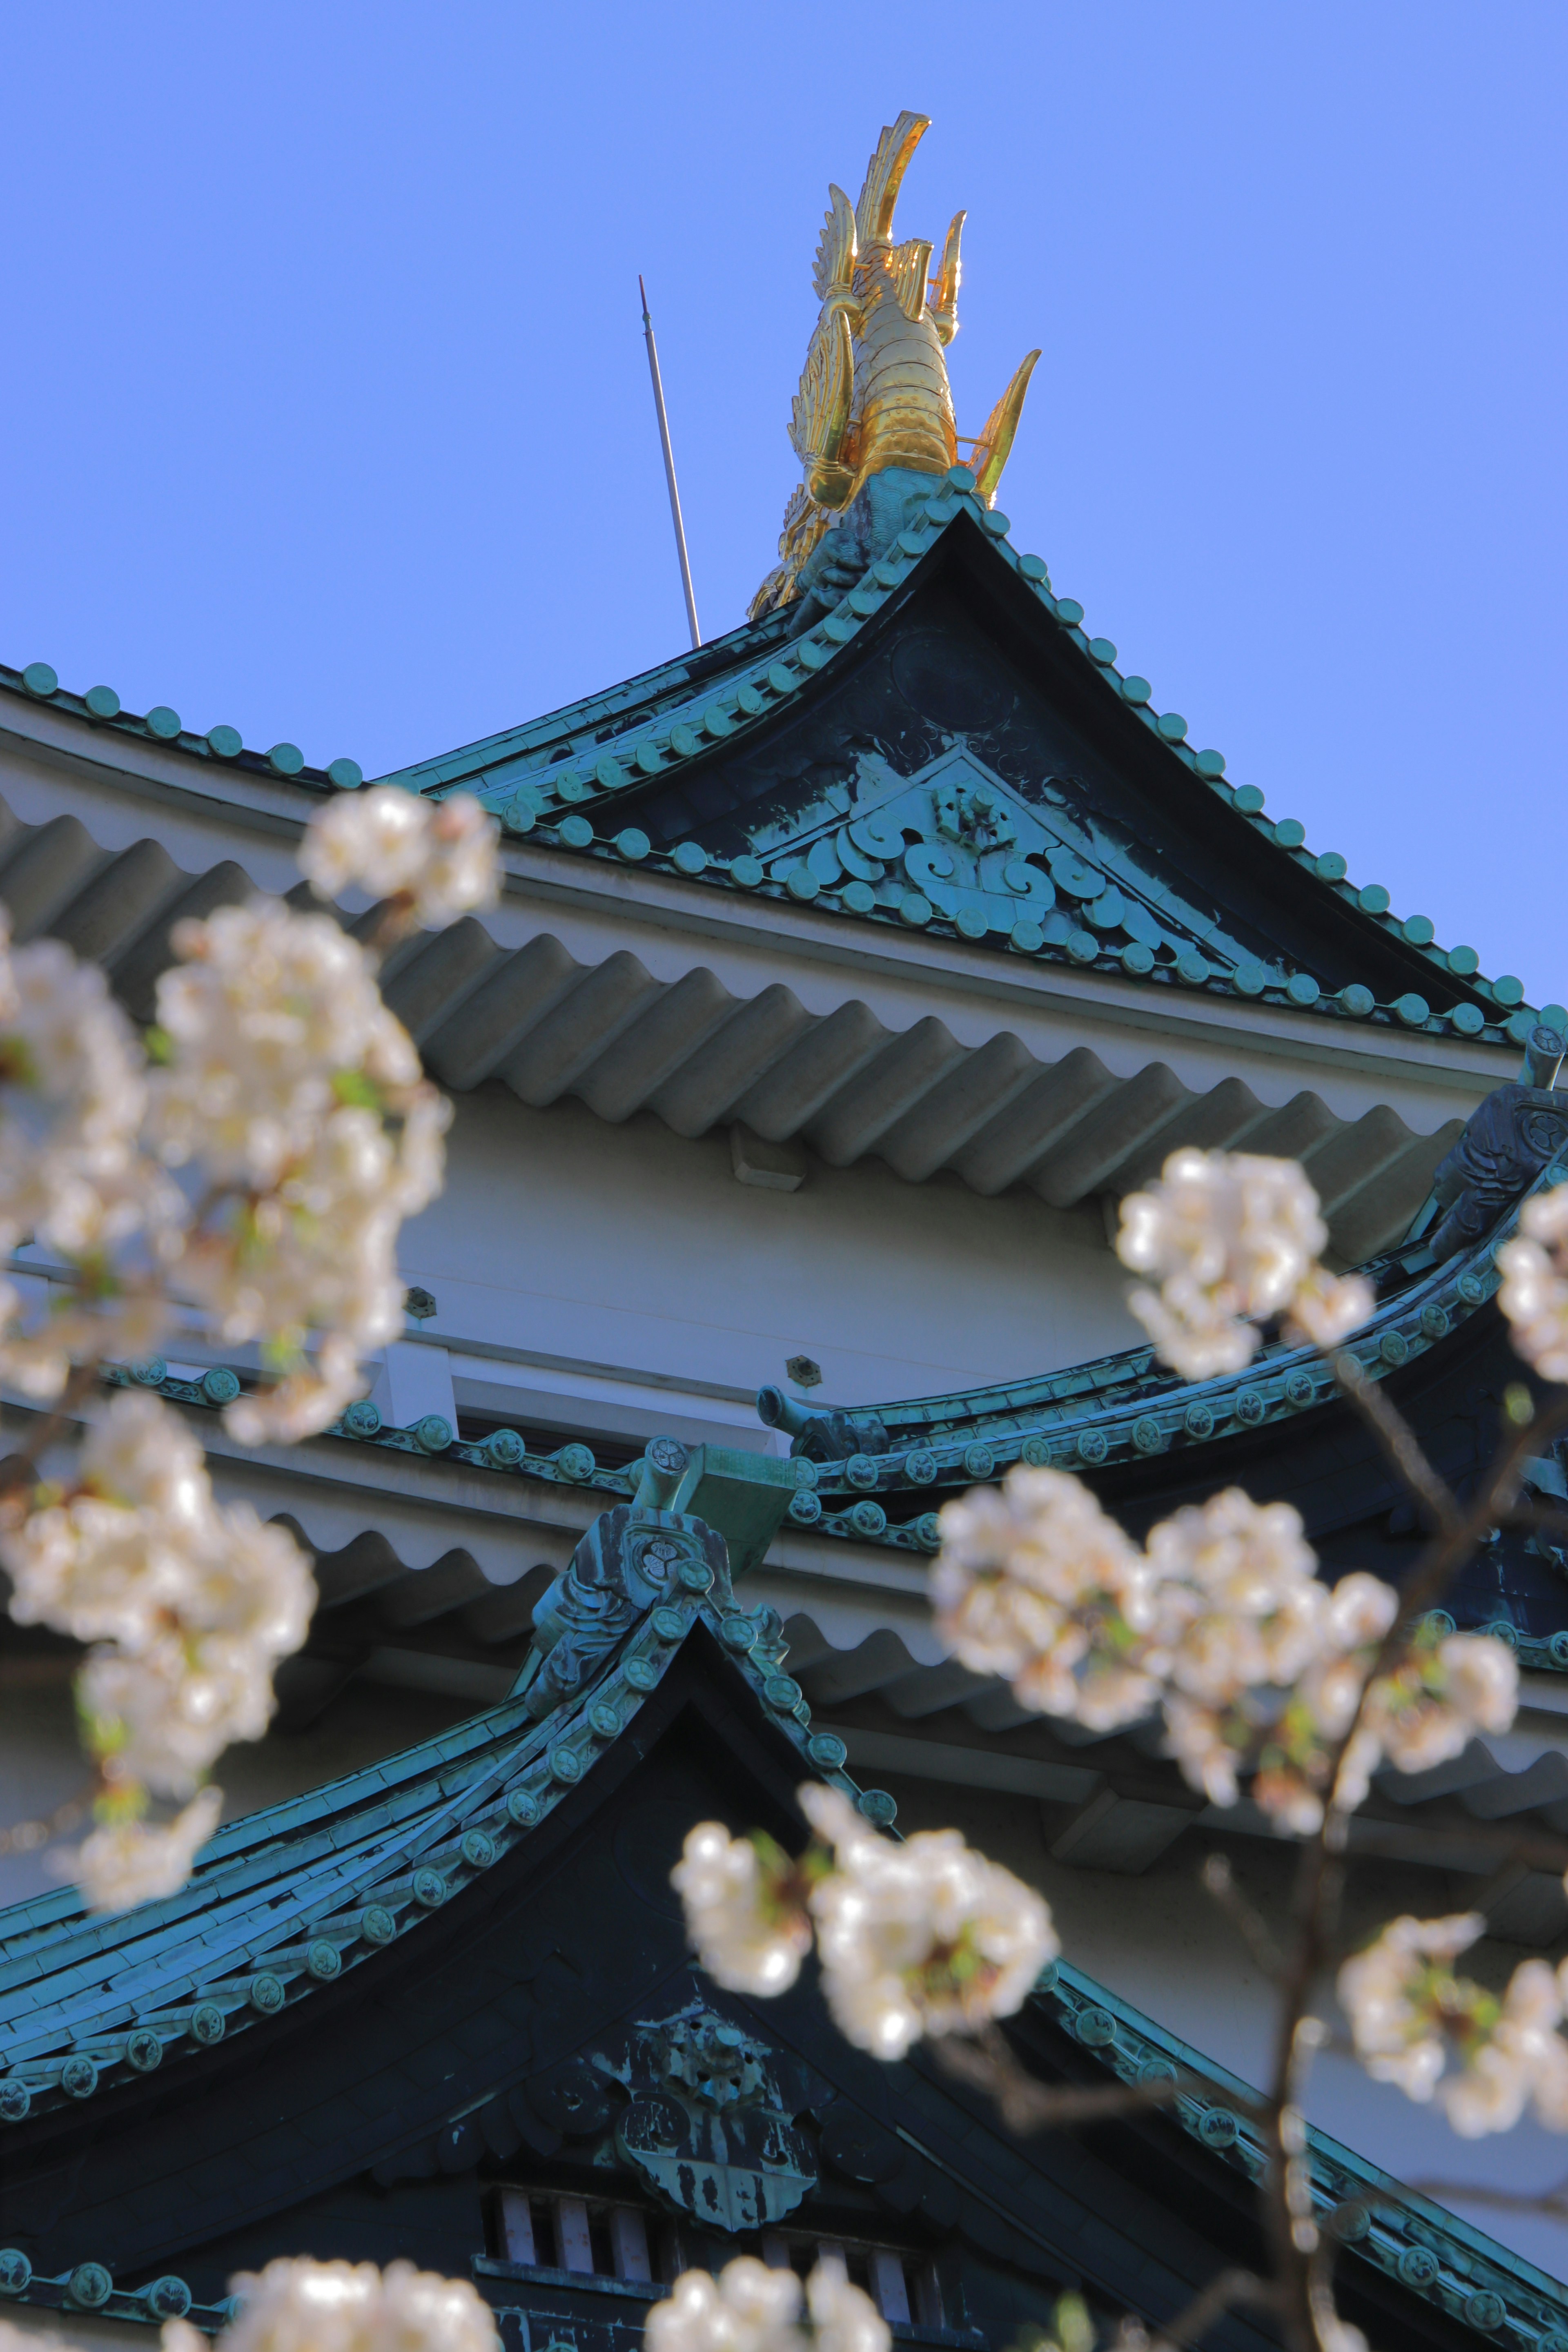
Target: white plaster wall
x=630, y=1248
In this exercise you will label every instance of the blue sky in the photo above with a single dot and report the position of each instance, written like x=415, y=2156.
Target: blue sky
x=327, y=417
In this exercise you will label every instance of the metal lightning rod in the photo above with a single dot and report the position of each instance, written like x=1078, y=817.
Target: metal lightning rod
x=669, y=467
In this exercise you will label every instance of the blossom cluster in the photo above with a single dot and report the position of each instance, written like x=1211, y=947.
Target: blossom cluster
x=296, y=2304
x=189, y=1606
x=261, y=1169
x=434, y=859
x=300, y=1097
x=1222, y=1622
x=289, y=1092
x=917, y=1936
x=1534, y=1291
x=1439, y=2035
x=753, y=2307
x=1036, y=1583
x=1231, y=1239
x=75, y=1177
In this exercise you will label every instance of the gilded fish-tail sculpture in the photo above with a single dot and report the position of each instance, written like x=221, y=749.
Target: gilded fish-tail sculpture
x=874, y=394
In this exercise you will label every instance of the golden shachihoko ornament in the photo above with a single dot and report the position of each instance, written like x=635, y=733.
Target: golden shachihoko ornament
x=874, y=394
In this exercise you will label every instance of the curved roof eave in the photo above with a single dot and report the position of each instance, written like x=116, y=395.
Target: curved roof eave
x=564, y=778
x=286, y=1903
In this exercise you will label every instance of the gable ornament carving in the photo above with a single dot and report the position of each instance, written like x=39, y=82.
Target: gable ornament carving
x=710, y=2126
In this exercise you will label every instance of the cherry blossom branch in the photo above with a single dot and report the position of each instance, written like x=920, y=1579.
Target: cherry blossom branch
x=1219, y=1880
x=1224, y=2292
x=1550, y=2203
x=985, y=2062
x=1395, y=1437
x=16, y=1469
x=1294, y=2237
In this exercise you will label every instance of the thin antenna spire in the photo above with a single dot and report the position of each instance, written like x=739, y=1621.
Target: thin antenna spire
x=669, y=467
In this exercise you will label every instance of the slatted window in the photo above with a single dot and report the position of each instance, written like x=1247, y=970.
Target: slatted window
x=562, y=2233
x=902, y=2285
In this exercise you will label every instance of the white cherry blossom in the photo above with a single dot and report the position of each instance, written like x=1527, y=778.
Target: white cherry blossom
x=199, y=1600
x=753, y=2308
x=296, y=2304
x=1398, y=1993
x=438, y=855
x=273, y=1020
x=917, y=1936
x=1297, y=1746
x=1034, y=1582
x=1327, y=1308
x=125, y=1863
x=75, y=1091
x=1231, y=1238
x=1534, y=1291
x=843, y=2316
x=746, y=1911
x=300, y=1097
x=749, y=2307
x=1237, y=1594
x=1239, y=1609
x=1430, y=1706
x=1410, y=2014
x=73, y=1175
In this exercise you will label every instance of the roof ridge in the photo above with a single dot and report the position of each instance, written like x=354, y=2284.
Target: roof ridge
x=540, y=788
x=100, y=707
x=556, y=800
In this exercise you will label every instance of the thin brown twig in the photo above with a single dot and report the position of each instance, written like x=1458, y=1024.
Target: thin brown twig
x=393, y=923
x=1552, y=2203
x=985, y=2062
x=1484, y=1845
x=1221, y=2292
x=1320, y=1883
x=16, y=1467
x=1539, y=1516
x=1396, y=1436
x=1219, y=1880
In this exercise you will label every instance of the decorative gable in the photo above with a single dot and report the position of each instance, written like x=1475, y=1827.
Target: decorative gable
x=991, y=860
x=766, y=744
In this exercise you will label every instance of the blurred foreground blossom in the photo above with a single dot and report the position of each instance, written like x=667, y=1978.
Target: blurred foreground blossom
x=1231, y=1238
x=915, y=1936
x=1410, y=2015
x=300, y=1099
x=437, y=858
x=192, y=1605
x=298, y=2305
x=751, y=2307
x=125, y=1863
x=74, y=1176
x=1443, y=1691
x=745, y=1908
x=267, y=1164
x=1036, y=1583
x=1222, y=1622
x=920, y=1935
x=1534, y=1292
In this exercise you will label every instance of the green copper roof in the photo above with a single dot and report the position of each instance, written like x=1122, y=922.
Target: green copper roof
x=567, y=781
x=289, y=1899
